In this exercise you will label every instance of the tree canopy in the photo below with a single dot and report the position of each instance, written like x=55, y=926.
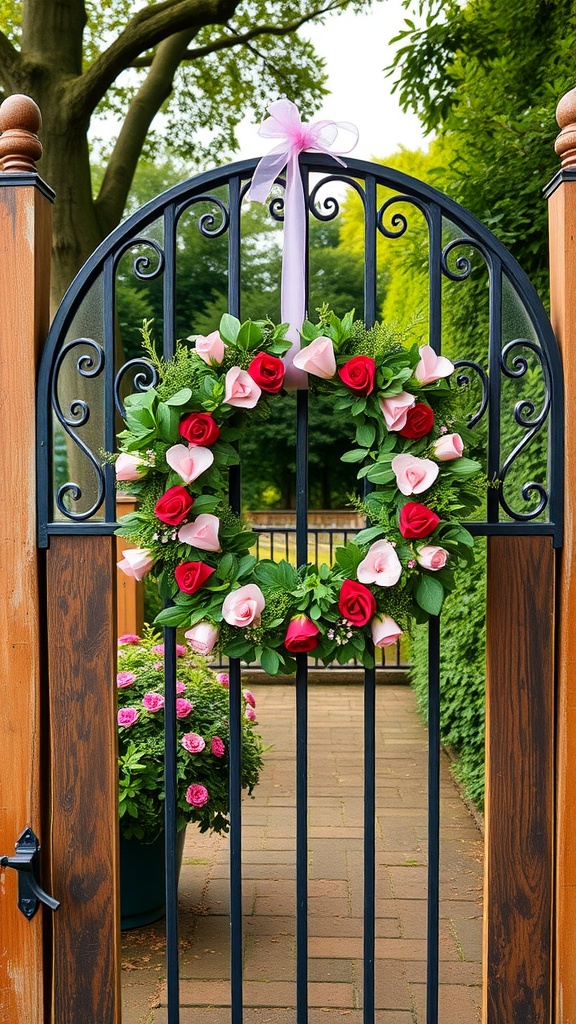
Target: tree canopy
x=203, y=64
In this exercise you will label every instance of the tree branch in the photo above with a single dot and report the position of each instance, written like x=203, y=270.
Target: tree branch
x=150, y=96
x=10, y=61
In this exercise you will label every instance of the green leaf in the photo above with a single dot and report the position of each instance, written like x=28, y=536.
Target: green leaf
x=380, y=475
x=171, y=616
x=369, y=534
x=229, y=328
x=365, y=434
x=430, y=594
x=249, y=336
x=354, y=455
x=463, y=467
x=180, y=398
x=349, y=558
x=270, y=661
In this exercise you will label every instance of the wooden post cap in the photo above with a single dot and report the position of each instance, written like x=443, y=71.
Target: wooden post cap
x=20, y=147
x=565, y=144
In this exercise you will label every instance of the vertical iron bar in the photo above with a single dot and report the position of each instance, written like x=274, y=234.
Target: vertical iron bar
x=170, y=816
x=370, y=250
x=369, y=840
x=108, y=318
x=301, y=724
x=169, y=282
x=235, y=783
x=433, y=819
x=435, y=281
x=494, y=356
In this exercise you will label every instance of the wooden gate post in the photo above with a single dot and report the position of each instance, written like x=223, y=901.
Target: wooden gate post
x=25, y=243
x=562, y=220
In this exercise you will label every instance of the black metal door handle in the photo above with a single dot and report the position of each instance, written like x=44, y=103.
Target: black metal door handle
x=26, y=862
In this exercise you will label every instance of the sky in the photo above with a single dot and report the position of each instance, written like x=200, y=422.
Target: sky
x=356, y=49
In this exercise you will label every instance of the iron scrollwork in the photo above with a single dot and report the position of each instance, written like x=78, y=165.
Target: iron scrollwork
x=515, y=366
x=145, y=376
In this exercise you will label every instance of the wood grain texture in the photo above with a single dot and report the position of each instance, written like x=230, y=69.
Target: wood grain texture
x=25, y=217
x=562, y=228
x=129, y=592
x=85, y=874
x=519, y=844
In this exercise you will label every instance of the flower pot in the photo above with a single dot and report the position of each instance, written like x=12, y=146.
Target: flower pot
x=143, y=879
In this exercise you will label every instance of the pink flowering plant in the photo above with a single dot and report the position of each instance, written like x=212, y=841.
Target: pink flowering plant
x=202, y=739
x=409, y=441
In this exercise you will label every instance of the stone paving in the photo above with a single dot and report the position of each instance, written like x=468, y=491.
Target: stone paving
x=335, y=881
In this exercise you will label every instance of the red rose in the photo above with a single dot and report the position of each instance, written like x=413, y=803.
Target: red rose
x=419, y=421
x=190, y=576
x=359, y=374
x=268, y=372
x=174, y=506
x=417, y=520
x=301, y=635
x=199, y=428
x=356, y=603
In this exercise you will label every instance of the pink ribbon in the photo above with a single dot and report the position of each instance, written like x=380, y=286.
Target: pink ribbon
x=285, y=124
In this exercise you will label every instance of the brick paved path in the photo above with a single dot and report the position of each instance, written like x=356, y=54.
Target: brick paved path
x=335, y=881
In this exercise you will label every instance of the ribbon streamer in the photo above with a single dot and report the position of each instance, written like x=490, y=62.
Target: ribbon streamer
x=286, y=124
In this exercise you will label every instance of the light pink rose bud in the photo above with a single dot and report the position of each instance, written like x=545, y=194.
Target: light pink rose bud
x=384, y=631
x=224, y=679
x=193, y=743
x=244, y=606
x=432, y=557
x=432, y=367
x=380, y=566
x=395, y=409
x=129, y=467
x=240, y=389
x=202, y=533
x=317, y=358
x=413, y=475
x=136, y=562
x=202, y=637
x=217, y=747
x=189, y=461
x=210, y=348
x=448, y=447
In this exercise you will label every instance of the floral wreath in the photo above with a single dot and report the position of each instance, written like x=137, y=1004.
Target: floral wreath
x=404, y=410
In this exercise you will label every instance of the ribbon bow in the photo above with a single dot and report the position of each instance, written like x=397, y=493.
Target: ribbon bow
x=286, y=124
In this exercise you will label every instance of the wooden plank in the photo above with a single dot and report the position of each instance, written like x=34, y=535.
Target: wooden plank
x=85, y=872
x=24, y=283
x=562, y=219
x=519, y=844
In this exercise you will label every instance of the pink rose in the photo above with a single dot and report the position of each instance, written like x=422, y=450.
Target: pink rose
x=240, y=389
x=384, y=631
x=217, y=747
x=193, y=743
x=432, y=367
x=202, y=533
x=317, y=358
x=180, y=687
x=249, y=697
x=380, y=566
x=202, y=637
x=224, y=679
x=153, y=701
x=124, y=679
x=197, y=795
x=180, y=650
x=244, y=606
x=210, y=348
x=189, y=461
x=129, y=638
x=432, y=557
x=183, y=707
x=395, y=409
x=413, y=475
x=250, y=714
x=127, y=716
x=129, y=467
x=136, y=562
x=448, y=447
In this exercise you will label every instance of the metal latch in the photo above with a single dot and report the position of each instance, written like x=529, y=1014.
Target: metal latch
x=27, y=863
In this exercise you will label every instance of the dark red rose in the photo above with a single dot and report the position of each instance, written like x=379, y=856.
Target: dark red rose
x=301, y=635
x=174, y=506
x=199, y=428
x=417, y=520
x=359, y=374
x=190, y=576
x=268, y=372
x=356, y=603
x=419, y=421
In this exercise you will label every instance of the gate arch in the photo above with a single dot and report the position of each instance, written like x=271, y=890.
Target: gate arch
x=517, y=398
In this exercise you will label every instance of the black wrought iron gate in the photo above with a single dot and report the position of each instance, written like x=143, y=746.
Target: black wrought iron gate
x=509, y=359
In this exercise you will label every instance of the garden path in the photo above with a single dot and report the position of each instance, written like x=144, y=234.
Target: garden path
x=335, y=881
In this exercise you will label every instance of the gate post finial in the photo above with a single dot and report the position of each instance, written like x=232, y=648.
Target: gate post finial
x=565, y=144
x=20, y=122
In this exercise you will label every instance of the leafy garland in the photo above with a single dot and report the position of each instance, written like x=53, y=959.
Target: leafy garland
x=179, y=442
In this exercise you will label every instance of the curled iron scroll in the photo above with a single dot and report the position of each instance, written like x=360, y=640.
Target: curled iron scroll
x=526, y=415
x=463, y=379
x=142, y=262
x=330, y=204
x=211, y=223
x=463, y=263
x=89, y=365
x=145, y=376
x=399, y=220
